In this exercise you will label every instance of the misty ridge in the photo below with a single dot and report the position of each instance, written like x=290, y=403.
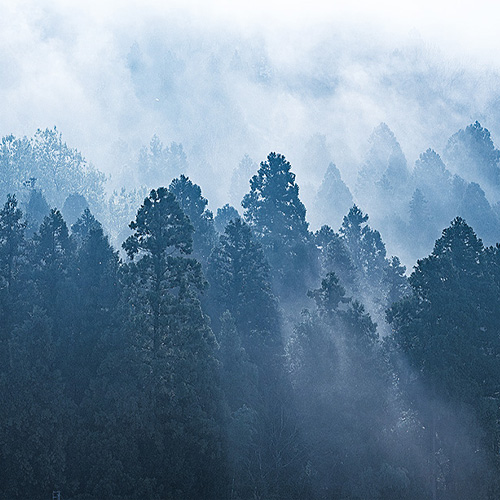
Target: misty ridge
x=245, y=263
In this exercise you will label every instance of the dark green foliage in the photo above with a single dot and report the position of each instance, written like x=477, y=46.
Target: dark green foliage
x=194, y=205
x=240, y=282
x=448, y=329
x=278, y=217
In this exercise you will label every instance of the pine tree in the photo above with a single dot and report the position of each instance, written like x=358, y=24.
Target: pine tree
x=194, y=205
x=277, y=216
x=171, y=335
x=448, y=330
x=12, y=258
x=52, y=257
x=473, y=155
x=240, y=282
x=341, y=385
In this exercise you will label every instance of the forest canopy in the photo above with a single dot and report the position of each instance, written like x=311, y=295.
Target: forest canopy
x=150, y=349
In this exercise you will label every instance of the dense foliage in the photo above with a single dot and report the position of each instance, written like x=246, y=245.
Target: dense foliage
x=245, y=356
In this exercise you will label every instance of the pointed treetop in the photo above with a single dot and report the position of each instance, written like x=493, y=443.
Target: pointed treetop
x=160, y=226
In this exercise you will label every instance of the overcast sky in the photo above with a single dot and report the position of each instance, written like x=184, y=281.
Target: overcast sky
x=227, y=78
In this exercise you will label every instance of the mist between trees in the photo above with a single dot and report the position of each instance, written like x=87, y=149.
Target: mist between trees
x=149, y=349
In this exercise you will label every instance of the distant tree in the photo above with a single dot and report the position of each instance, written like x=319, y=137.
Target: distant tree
x=382, y=180
x=159, y=163
x=61, y=170
x=73, y=207
x=472, y=154
x=36, y=210
x=121, y=208
x=240, y=179
x=15, y=156
x=422, y=225
x=224, y=215
x=475, y=208
x=333, y=199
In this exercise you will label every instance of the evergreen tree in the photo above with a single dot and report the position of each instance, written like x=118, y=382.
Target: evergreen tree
x=12, y=258
x=277, y=216
x=382, y=180
x=170, y=335
x=35, y=416
x=262, y=430
x=422, y=225
x=449, y=333
x=240, y=179
x=15, y=156
x=224, y=215
x=52, y=256
x=73, y=207
x=341, y=387
x=36, y=210
x=472, y=154
x=333, y=199
x=61, y=170
x=240, y=282
x=475, y=208
x=194, y=206
x=160, y=163
x=335, y=257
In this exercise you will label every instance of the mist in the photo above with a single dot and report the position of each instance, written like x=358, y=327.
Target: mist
x=227, y=82
x=249, y=251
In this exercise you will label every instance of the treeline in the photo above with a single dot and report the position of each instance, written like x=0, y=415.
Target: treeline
x=244, y=357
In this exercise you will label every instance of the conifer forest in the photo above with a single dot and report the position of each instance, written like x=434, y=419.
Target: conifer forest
x=318, y=324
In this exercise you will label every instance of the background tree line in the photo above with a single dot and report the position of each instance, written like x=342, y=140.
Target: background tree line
x=239, y=356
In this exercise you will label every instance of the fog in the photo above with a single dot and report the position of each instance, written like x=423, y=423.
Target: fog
x=226, y=81
x=282, y=351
